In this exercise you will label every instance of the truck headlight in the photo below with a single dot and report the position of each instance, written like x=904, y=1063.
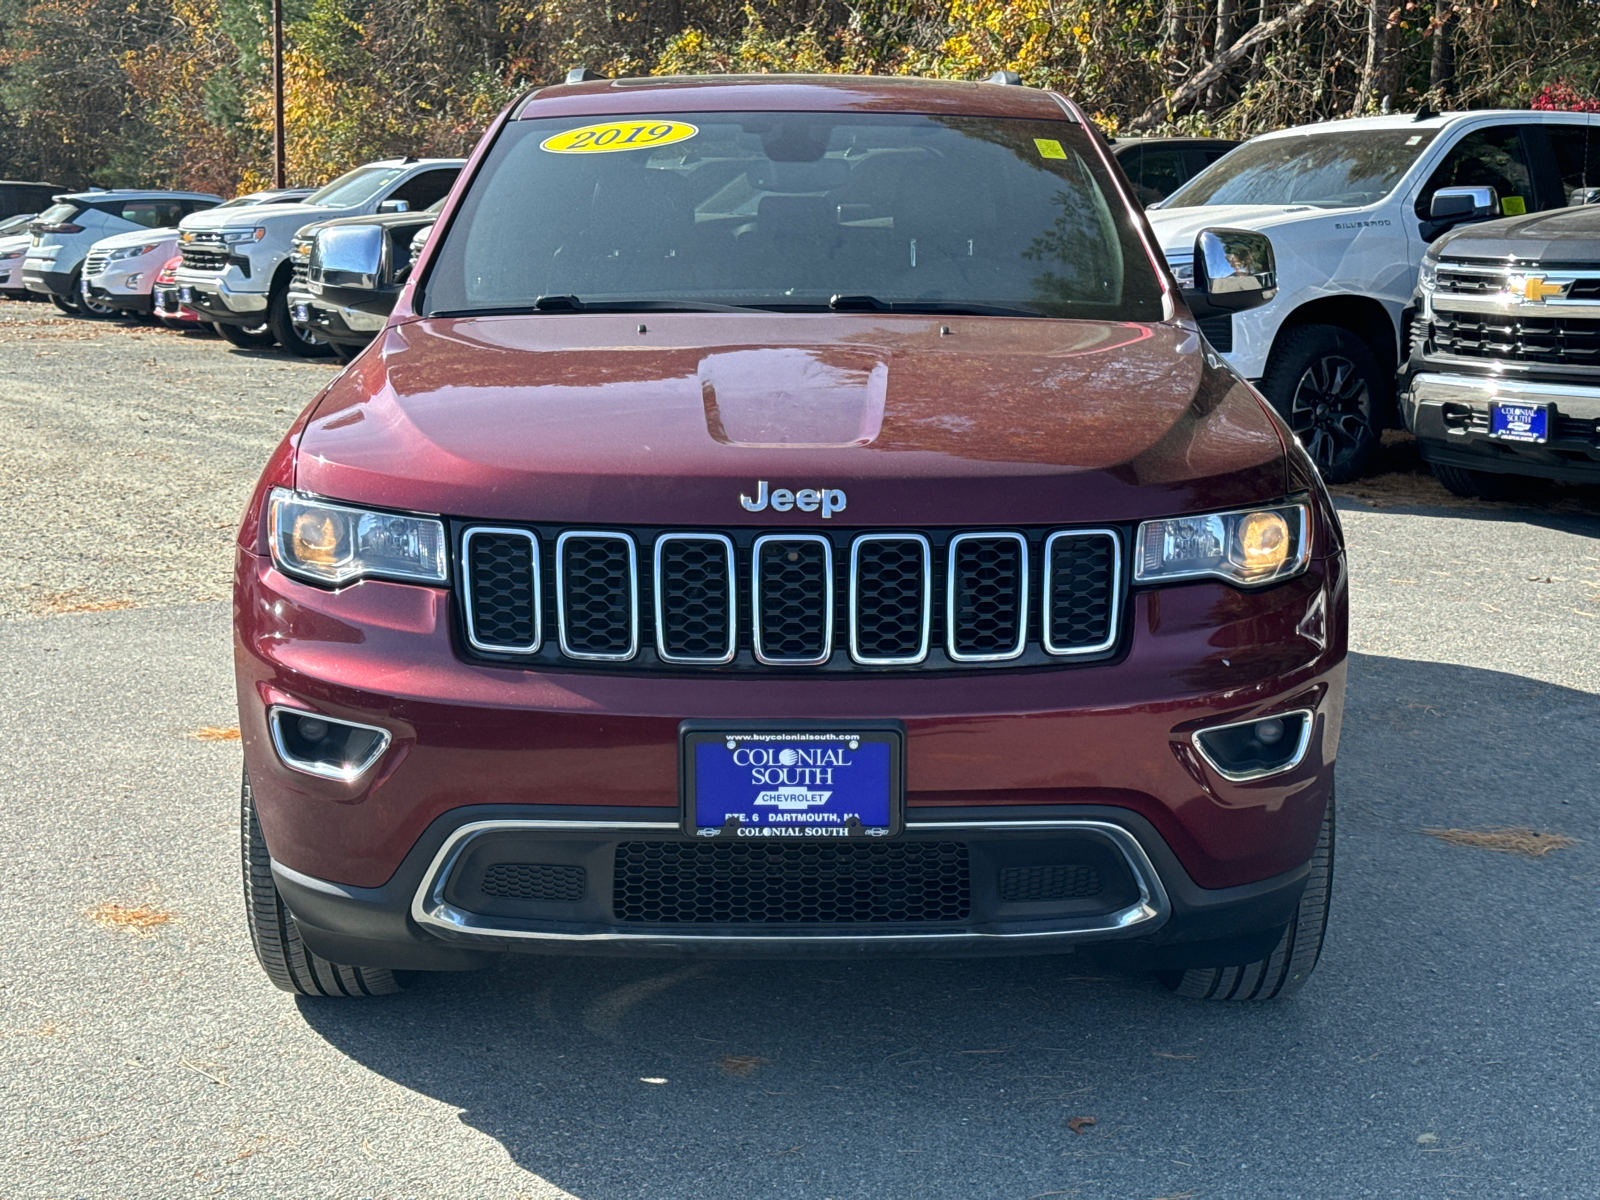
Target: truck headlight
x=234, y=236
x=1249, y=547
x=332, y=543
x=1428, y=275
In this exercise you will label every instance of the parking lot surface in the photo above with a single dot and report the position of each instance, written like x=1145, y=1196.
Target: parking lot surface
x=1445, y=1046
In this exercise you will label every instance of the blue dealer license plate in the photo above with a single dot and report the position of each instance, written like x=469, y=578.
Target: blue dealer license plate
x=799, y=780
x=302, y=313
x=1519, y=422
x=186, y=295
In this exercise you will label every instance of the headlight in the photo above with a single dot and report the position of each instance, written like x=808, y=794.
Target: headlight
x=1249, y=547
x=1183, y=271
x=1428, y=276
x=234, y=236
x=330, y=543
x=131, y=252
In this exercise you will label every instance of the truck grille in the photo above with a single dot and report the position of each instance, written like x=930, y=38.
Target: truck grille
x=300, y=272
x=753, y=600
x=1563, y=341
x=204, y=254
x=744, y=883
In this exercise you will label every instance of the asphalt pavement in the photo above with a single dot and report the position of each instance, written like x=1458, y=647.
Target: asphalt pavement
x=1445, y=1047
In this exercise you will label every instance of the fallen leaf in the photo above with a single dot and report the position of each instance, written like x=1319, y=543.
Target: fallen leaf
x=740, y=1065
x=651, y=1079
x=1514, y=839
x=141, y=921
x=216, y=733
x=1079, y=1124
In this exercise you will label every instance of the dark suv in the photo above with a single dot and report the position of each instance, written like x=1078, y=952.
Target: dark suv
x=790, y=515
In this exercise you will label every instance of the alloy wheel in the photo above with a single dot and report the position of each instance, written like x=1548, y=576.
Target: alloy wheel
x=1331, y=410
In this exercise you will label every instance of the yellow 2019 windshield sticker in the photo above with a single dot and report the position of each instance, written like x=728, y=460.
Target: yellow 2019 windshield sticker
x=619, y=135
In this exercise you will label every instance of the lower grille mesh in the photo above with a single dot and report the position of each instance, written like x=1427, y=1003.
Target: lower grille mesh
x=1071, y=881
x=533, y=881
x=742, y=883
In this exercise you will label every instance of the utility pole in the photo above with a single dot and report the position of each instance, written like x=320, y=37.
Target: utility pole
x=280, y=166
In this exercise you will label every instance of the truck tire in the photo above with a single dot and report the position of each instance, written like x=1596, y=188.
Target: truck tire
x=301, y=343
x=251, y=337
x=285, y=958
x=1291, y=962
x=1327, y=386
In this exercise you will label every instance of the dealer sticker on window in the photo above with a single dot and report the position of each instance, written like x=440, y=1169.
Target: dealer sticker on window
x=619, y=135
x=791, y=781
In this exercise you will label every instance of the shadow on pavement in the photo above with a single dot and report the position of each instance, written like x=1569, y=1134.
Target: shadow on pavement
x=1454, y=993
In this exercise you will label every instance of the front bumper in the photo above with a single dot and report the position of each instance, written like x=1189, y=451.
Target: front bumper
x=219, y=298
x=1101, y=754
x=1449, y=414
x=134, y=302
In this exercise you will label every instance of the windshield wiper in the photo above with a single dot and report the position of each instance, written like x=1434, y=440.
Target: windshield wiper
x=578, y=304
x=962, y=308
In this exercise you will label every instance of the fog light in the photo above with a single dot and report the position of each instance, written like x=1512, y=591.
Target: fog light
x=1249, y=750
x=325, y=746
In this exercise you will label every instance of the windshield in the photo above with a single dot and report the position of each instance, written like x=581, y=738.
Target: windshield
x=1344, y=169
x=355, y=187
x=792, y=211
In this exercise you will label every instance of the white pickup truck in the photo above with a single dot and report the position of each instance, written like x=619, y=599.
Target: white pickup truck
x=236, y=269
x=1350, y=208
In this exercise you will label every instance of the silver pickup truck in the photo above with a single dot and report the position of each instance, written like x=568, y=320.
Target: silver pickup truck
x=236, y=268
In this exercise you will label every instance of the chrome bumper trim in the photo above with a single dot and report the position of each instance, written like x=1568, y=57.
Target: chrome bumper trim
x=1578, y=400
x=430, y=909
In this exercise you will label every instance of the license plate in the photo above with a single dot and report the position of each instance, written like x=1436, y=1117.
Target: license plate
x=186, y=295
x=798, y=779
x=302, y=313
x=1519, y=422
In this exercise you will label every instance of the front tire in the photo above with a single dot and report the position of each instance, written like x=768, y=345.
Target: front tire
x=1291, y=962
x=297, y=342
x=245, y=337
x=285, y=958
x=1484, y=485
x=1327, y=386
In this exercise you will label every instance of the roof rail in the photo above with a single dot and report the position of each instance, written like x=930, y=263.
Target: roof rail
x=583, y=75
x=1005, y=78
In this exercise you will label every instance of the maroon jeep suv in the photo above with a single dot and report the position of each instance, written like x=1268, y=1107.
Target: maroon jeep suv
x=797, y=516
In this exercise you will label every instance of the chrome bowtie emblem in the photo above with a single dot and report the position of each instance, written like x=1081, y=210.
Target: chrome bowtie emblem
x=826, y=500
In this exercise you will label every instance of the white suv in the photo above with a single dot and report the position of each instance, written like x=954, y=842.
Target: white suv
x=63, y=233
x=1349, y=207
x=236, y=269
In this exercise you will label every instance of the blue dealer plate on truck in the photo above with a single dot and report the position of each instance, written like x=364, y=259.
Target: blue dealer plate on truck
x=1519, y=422
x=799, y=779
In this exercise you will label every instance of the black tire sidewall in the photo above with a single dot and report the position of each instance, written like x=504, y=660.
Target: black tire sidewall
x=281, y=322
x=1298, y=349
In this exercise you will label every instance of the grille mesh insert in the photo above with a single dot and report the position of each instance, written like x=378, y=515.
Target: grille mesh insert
x=1078, y=604
x=703, y=883
x=501, y=569
x=597, y=595
x=533, y=881
x=695, y=600
x=1068, y=881
x=987, y=587
x=891, y=592
x=794, y=587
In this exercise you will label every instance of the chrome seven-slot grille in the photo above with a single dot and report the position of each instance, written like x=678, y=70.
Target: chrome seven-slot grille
x=774, y=601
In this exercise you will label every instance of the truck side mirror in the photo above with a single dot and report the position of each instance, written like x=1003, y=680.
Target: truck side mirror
x=394, y=206
x=350, y=267
x=1476, y=203
x=1234, y=270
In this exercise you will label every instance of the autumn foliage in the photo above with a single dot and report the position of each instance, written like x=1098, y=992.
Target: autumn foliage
x=177, y=92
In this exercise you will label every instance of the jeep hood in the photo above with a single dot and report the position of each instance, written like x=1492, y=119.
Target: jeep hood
x=669, y=418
